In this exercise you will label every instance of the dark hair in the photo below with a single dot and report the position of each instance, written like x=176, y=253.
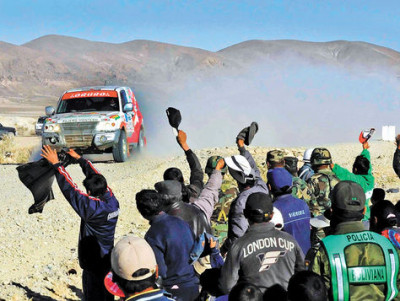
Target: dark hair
x=397, y=206
x=361, y=165
x=275, y=164
x=149, y=203
x=307, y=286
x=96, y=184
x=173, y=173
x=291, y=165
x=381, y=211
x=378, y=194
x=208, y=279
x=275, y=292
x=130, y=287
x=245, y=291
x=242, y=186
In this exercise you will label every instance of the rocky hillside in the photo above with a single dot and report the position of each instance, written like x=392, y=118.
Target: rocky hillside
x=41, y=69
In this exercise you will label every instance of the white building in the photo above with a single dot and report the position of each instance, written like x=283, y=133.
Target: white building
x=388, y=133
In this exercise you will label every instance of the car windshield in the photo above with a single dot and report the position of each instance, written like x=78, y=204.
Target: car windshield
x=88, y=104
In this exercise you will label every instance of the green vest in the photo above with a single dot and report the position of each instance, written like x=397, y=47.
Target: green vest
x=342, y=276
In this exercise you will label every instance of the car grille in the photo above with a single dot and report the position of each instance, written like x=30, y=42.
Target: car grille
x=79, y=134
x=78, y=140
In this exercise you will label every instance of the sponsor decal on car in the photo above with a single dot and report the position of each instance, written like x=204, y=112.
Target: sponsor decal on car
x=115, y=117
x=81, y=94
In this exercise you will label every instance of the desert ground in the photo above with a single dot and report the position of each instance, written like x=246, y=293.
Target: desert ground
x=38, y=256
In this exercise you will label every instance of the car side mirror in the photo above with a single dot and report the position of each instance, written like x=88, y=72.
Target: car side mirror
x=128, y=107
x=50, y=111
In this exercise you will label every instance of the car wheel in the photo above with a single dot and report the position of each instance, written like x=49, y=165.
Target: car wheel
x=141, y=142
x=120, y=150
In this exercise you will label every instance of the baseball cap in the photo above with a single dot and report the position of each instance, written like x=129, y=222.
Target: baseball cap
x=129, y=255
x=259, y=202
x=348, y=196
x=239, y=168
x=275, y=156
x=169, y=187
x=279, y=178
x=320, y=156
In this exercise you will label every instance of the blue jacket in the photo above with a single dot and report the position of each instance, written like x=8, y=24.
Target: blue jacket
x=98, y=219
x=172, y=240
x=296, y=219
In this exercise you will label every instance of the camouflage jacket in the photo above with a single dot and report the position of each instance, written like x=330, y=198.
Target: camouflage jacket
x=300, y=189
x=320, y=186
x=360, y=254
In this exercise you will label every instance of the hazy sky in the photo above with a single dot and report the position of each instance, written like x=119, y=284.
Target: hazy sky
x=210, y=25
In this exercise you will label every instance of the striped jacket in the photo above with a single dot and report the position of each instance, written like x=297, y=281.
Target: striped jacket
x=98, y=219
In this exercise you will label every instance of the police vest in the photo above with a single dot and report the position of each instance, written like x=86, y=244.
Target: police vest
x=342, y=276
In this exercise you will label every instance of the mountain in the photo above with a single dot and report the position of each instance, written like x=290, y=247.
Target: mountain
x=44, y=67
x=292, y=86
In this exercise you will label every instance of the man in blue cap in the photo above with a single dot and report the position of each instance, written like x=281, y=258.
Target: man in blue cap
x=295, y=212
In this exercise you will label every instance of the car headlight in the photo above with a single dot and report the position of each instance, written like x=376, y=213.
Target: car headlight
x=52, y=128
x=106, y=126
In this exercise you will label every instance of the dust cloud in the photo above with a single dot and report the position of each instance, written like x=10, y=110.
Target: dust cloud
x=294, y=105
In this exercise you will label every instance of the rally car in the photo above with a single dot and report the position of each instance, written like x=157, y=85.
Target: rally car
x=96, y=120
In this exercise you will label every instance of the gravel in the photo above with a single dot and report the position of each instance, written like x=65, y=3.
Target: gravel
x=38, y=257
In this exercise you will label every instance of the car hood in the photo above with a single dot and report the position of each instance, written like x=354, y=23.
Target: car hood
x=82, y=117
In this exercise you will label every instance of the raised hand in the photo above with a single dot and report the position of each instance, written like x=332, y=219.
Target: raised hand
x=73, y=154
x=49, y=154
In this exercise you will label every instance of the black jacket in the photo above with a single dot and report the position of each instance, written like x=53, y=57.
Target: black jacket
x=191, y=214
x=196, y=185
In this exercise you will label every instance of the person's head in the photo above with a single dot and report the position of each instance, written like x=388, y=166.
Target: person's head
x=208, y=279
x=240, y=169
x=307, y=286
x=275, y=158
x=320, y=157
x=149, y=203
x=170, y=191
x=280, y=181
x=258, y=208
x=244, y=291
x=275, y=292
x=348, y=202
x=291, y=165
x=307, y=155
x=378, y=194
x=133, y=267
x=212, y=163
x=397, y=205
x=173, y=173
x=361, y=165
x=383, y=215
x=96, y=185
